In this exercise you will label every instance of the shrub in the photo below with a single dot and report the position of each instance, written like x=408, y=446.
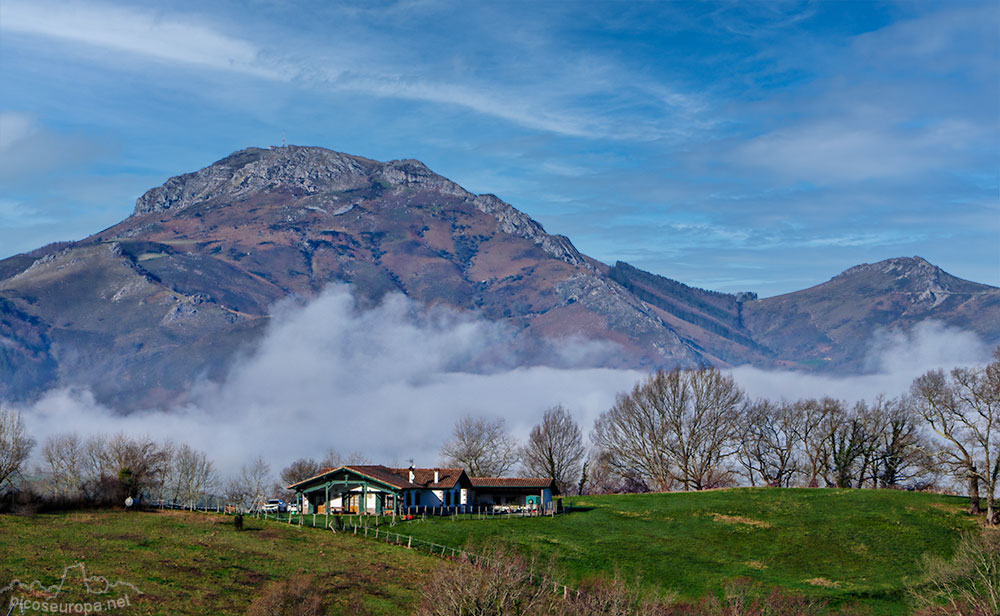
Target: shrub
x=498, y=581
x=291, y=597
x=503, y=582
x=968, y=584
x=742, y=598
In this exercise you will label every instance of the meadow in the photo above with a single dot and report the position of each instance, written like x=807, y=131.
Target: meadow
x=845, y=546
x=196, y=563
x=848, y=547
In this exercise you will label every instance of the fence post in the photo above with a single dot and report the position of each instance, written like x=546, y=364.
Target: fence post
x=409, y=541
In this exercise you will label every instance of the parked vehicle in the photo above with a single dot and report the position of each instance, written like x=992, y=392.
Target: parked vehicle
x=293, y=508
x=275, y=505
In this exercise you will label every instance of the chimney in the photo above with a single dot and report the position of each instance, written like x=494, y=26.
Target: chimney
x=436, y=478
x=411, y=473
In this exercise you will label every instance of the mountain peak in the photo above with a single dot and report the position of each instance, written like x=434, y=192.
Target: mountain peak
x=923, y=282
x=899, y=267
x=292, y=168
x=302, y=170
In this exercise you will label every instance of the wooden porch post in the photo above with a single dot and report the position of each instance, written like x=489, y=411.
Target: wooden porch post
x=326, y=503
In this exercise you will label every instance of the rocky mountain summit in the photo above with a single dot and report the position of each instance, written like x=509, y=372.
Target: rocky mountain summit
x=833, y=323
x=140, y=311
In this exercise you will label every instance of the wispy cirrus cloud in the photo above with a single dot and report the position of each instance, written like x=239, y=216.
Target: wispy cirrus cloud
x=545, y=97
x=782, y=129
x=853, y=150
x=29, y=150
x=154, y=34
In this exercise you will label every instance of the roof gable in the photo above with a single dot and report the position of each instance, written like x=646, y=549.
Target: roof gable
x=398, y=478
x=424, y=478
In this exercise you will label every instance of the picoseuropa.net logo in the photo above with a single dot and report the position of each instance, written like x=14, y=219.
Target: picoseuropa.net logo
x=74, y=593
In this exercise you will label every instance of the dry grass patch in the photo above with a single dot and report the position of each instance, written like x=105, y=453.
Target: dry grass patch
x=735, y=519
x=819, y=581
x=755, y=564
x=949, y=507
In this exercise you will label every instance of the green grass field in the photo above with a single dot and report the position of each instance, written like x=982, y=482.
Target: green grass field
x=186, y=563
x=846, y=546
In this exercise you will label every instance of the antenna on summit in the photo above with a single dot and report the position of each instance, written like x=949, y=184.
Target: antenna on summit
x=282, y=138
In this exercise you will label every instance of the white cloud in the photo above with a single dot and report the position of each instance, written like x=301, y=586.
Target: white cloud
x=15, y=127
x=28, y=150
x=854, y=149
x=132, y=31
x=547, y=88
x=389, y=382
x=894, y=360
x=523, y=111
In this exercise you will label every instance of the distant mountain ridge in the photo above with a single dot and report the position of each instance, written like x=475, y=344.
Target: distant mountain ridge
x=142, y=310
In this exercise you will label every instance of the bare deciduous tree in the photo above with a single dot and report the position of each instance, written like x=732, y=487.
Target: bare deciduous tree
x=963, y=411
x=134, y=466
x=847, y=441
x=297, y=471
x=899, y=443
x=603, y=478
x=251, y=486
x=555, y=449
x=15, y=445
x=481, y=446
x=677, y=425
x=64, y=469
x=812, y=429
x=334, y=459
x=191, y=475
x=768, y=448
x=300, y=469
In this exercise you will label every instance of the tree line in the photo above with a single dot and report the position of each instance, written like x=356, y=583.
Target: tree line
x=71, y=471
x=690, y=429
x=697, y=429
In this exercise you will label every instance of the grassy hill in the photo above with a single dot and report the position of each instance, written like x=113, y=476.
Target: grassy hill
x=846, y=546
x=197, y=564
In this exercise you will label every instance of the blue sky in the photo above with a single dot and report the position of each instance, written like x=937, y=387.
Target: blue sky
x=761, y=146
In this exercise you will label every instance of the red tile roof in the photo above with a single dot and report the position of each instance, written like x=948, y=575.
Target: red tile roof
x=511, y=482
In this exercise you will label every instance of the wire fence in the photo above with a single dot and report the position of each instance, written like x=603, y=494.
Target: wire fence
x=379, y=528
